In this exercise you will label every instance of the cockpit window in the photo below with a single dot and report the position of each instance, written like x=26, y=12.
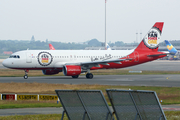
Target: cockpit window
x=14, y=56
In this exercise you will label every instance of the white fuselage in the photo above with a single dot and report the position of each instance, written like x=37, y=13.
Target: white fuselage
x=57, y=58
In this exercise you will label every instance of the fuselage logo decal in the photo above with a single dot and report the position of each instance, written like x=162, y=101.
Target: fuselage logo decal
x=152, y=38
x=45, y=58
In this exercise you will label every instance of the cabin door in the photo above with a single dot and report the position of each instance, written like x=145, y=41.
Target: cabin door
x=28, y=58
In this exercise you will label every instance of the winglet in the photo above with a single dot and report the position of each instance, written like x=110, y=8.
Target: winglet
x=170, y=47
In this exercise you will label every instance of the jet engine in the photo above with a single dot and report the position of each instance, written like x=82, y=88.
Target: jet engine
x=71, y=70
x=51, y=71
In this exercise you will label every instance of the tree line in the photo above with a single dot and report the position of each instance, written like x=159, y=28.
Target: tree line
x=17, y=45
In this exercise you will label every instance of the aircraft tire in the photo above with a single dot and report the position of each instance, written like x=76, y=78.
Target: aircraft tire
x=89, y=75
x=25, y=77
x=76, y=76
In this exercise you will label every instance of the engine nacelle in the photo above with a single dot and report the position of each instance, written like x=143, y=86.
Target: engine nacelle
x=50, y=71
x=71, y=70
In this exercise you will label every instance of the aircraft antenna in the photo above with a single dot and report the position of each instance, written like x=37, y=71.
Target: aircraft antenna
x=140, y=36
x=105, y=26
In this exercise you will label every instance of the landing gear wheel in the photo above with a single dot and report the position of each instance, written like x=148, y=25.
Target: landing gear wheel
x=76, y=76
x=89, y=75
x=25, y=77
x=26, y=74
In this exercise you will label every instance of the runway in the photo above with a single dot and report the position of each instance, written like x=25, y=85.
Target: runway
x=59, y=110
x=127, y=80
x=158, y=65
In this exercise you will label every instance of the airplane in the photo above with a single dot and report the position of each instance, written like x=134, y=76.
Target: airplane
x=51, y=47
x=74, y=62
x=108, y=47
x=172, y=50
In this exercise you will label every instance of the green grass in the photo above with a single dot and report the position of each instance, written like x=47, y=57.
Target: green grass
x=28, y=104
x=34, y=117
x=169, y=95
x=170, y=115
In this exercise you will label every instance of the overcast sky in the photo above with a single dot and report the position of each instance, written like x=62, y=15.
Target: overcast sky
x=82, y=20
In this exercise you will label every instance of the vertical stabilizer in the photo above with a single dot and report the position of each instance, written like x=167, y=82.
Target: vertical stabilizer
x=170, y=47
x=108, y=47
x=51, y=47
x=151, y=40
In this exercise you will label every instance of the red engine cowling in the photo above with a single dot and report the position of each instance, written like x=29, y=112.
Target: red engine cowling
x=71, y=70
x=50, y=71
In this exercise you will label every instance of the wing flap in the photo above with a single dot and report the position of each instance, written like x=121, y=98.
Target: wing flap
x=105, y=62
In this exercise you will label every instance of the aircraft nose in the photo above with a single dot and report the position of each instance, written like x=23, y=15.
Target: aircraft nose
x=5, y=63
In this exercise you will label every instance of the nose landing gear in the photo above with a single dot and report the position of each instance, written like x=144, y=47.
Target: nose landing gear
x=26, y=74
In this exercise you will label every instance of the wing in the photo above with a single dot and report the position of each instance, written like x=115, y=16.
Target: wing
x=90, y=64
x=97, y=62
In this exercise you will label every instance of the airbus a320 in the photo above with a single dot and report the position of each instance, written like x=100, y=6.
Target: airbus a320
x=74, y=62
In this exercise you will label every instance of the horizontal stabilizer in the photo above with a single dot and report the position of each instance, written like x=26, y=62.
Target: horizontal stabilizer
x=156, y=55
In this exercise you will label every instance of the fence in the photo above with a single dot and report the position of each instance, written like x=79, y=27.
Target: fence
x=126, y=104
x=135, y=105
x=38, y=97
x=84, y=104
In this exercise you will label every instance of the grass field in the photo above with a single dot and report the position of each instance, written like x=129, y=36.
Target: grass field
x=170, y=115
x=169, y=95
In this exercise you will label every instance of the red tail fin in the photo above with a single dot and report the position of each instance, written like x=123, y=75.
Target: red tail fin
x=51, y=47
x=151, y=41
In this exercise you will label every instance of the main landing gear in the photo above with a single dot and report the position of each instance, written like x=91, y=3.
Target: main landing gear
x=76, y=76
x=89, y=75
x=26, y=74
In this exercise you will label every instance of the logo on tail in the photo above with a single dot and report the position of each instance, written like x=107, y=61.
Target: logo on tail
x=152, y=39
